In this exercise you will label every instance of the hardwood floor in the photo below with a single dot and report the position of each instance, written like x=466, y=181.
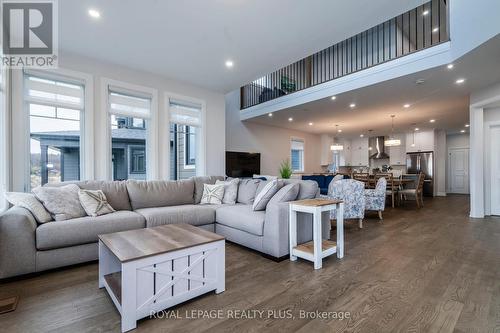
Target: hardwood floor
x=431, y=270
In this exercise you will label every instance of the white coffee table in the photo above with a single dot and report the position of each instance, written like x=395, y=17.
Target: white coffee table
x=149, y=270
x=318, y=248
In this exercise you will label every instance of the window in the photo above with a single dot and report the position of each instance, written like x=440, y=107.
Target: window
x=297, y=155
x=185, y=122
x=190, y=144
x=55, y=108
x=129, y=115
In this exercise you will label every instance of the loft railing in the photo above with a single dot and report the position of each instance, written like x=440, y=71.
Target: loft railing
x=415, y=30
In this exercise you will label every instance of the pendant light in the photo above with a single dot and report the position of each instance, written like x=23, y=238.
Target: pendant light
x=336, y=146
x=392, y=141
x=413, y=143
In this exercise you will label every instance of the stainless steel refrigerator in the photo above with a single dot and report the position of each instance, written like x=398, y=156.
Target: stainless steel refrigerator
x=422, y=162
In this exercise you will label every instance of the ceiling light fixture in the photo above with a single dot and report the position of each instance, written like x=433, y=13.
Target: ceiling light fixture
x=290, y=119
x=420, y=81
x=392, y=141
x=310, y=124
x=270, y=114
x=406, y=106
x=229, y=64
x=413, y=142
x=94, y=13
x=467, y=125
x=432, y=120
x=352, y=105
x=361, y=135
x=462, y=131
x=460, y=81
x=450, y=66
x=425, y=12
x=334, y=98
x=417, y=129
x=436, y=29
x=336, y=146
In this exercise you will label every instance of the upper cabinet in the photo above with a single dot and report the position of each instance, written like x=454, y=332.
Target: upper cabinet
x=424, y=141
x=397, y=154
x=326, y=153
x=359, y=152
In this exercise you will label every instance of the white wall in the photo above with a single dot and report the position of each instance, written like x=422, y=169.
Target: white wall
x=440, y=163
x=273, y=143
x=484, y=112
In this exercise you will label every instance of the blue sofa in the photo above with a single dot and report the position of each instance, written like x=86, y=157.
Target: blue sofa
x=322, y=180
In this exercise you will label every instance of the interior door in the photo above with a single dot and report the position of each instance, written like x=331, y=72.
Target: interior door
x=495, y=170
x=459, y=170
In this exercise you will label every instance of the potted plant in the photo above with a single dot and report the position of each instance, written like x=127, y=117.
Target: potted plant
x=285, y=169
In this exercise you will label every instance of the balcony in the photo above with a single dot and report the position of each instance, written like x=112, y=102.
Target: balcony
x=415, y=30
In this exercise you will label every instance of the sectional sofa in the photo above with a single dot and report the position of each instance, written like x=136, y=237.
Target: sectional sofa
x=27, y=247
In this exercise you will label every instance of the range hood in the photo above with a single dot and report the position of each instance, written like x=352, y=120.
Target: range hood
x=377, y=145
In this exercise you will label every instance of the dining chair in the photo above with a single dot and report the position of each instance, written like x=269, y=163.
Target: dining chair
x=416, y=192
x=362, y=177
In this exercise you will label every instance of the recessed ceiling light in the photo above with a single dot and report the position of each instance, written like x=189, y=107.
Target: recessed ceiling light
x=270, y=114
x=352, y=105
x=290, y=119
x=334, y=98
x=340, y=131
x=417, y=129
x=432, y=120
x=436, y=29
x=450, y=66
x=94, y=13
x=460, y=81
x=462, y=131
x=425, y=12
x=406, y=106
x=420, y=81
x=229, y=63
x=361, y=135
x=467, y=125
x=310, y=124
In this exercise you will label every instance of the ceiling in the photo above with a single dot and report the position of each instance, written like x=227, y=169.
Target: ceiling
x=438, y=98
x=191, y=40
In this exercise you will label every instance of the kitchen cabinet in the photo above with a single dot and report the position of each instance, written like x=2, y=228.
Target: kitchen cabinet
x=424, y=141
x=345, y=154
x=326, y=153
x=397, y=154
x=359, y=152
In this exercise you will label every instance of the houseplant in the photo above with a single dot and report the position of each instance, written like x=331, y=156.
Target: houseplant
x=285, y=169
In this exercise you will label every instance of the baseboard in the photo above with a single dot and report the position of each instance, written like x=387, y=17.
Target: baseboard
x=440, y=194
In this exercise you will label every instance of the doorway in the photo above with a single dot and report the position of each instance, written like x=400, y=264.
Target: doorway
x=458, y=170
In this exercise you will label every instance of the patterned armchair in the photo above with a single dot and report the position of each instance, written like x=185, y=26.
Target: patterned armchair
x=352, y=193
x=375, y=198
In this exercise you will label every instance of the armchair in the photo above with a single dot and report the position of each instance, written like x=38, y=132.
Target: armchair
x=375, y=198
x=352, y=193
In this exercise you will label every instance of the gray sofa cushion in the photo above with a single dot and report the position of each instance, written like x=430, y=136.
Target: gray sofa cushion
x=198, y=185
x=247, y=190
x=241, y=217
x=62, y=202
x=115, y=191
x=84, y=230
x=308, y=189
x=286, y=193
x=190, y=214
x=160, y=193
x=268, y=191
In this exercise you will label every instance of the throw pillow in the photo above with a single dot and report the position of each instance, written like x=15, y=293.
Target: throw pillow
x=286, y=193
x=247, y=190
x=230, y=190
x=31, y=203
x=266, y=194
x=95, y=203
x=62, y=202
x=212, y=194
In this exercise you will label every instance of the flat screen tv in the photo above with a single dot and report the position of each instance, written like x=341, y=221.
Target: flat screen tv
x=240, y=164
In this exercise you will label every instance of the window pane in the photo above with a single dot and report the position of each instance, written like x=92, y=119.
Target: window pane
x=128, y=144
x=54, y=144
x=182, y=151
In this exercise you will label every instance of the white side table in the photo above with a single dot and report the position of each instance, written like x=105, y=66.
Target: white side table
x=318, y=248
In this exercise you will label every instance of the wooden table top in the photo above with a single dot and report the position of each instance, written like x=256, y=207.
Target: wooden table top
x=316, y=202
x=140, y=243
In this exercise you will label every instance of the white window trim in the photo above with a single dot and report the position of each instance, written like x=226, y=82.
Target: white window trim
x=296, y=138
x=201, y=137
x=20, y=120
x=104, y=155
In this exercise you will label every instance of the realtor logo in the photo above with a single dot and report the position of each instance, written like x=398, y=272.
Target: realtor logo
x=29, y=33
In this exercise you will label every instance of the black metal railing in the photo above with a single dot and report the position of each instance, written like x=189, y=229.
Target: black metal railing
x=415, y=30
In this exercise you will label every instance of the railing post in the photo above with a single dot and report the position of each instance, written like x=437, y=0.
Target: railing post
x=308, y=72
x=242, y=98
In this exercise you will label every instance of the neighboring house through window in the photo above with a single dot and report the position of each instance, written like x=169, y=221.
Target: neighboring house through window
x=297, y=154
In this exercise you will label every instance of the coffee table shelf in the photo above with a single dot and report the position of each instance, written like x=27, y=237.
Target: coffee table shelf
x=113, y=284
x=328, y=248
